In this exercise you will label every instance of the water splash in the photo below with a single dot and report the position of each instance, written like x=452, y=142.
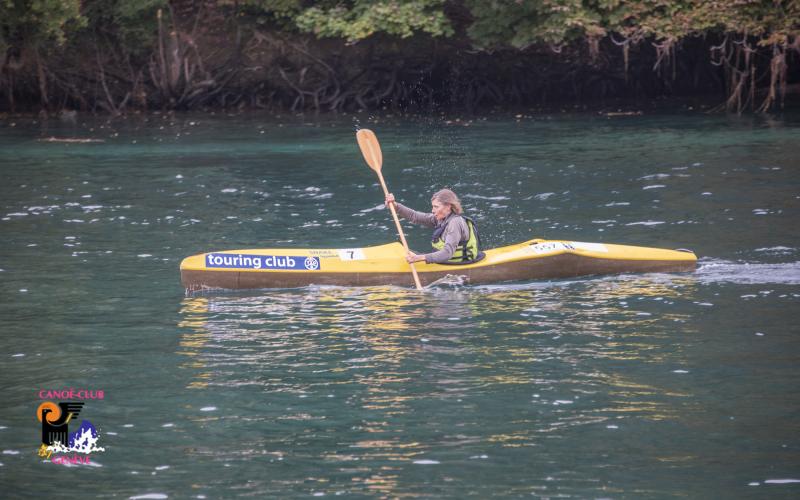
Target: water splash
x=451, y=280
x=724, y=271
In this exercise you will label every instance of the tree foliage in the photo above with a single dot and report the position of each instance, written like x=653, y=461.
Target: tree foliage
x=360, y=19
x=179, y=53
x=132, y=23
x=34, y=22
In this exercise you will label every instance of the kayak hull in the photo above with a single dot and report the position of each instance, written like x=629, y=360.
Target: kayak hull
x=385, y=265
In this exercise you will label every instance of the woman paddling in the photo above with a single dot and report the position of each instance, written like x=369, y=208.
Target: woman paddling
x=455, y=238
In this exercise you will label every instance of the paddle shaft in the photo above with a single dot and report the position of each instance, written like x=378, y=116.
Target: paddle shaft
x=371, y=149
x=399, y=228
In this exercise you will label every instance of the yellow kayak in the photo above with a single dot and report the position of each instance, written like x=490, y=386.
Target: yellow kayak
x=386, y=265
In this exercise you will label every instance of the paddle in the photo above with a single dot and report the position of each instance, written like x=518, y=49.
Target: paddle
x=371, y=149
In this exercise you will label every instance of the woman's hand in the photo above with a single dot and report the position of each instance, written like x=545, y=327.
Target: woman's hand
x=411, y=257
x=389, y=199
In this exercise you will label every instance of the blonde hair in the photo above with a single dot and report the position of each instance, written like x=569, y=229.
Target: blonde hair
x=450, y=198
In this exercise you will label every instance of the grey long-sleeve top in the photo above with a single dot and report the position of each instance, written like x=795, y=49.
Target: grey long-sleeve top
x=455, y=232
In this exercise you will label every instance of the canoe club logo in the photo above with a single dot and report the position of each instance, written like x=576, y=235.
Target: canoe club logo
x=59, y=445
x=241, y=261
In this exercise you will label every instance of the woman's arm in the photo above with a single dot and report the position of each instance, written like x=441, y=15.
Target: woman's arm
x=415, y=217
x=455, y=232
x=451, y=239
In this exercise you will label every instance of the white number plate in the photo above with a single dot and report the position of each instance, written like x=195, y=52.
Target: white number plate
x=351, y=254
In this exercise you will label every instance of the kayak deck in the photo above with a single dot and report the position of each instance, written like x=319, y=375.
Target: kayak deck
x=385, y=265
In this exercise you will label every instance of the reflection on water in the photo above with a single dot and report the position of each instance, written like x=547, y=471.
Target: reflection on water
x=194, y=312
x=383, y=361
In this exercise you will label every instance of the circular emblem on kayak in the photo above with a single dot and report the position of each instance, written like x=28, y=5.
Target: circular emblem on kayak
x=311, y=263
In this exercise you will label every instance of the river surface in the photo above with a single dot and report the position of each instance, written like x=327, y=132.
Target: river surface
x=631, y=386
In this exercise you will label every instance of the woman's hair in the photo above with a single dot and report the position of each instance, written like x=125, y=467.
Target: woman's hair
x=450, y=198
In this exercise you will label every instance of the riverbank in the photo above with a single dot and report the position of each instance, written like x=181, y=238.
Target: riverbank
x=190, y=61
x=612, y=108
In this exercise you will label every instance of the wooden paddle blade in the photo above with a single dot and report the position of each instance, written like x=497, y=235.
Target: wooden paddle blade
x=370, y=148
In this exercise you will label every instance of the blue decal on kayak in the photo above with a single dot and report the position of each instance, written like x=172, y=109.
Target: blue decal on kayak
x=243, y=261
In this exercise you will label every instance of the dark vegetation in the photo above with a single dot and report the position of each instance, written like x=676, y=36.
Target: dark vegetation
x=121, y=56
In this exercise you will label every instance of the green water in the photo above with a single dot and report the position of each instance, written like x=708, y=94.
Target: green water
x=638, y=386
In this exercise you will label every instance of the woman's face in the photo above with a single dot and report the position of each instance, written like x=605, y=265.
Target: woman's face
x=440, y=210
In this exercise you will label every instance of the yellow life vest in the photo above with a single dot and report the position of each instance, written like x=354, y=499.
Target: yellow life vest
x=467, y=251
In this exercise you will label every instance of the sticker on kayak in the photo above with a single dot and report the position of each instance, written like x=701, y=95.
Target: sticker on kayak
x=550, y=247
x=322, y=253
x=590, y=247
x=242, y=261
x=351, y=254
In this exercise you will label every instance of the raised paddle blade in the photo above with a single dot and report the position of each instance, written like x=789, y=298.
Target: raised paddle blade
x=370, y=148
